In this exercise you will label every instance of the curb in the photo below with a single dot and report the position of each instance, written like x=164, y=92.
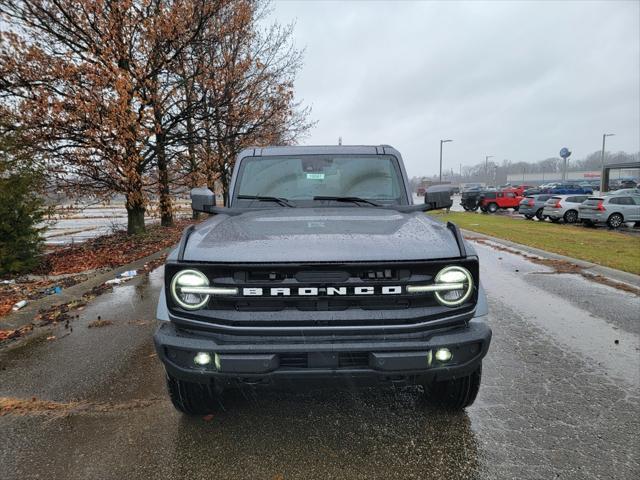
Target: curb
x=25, y=316
x=612, y=273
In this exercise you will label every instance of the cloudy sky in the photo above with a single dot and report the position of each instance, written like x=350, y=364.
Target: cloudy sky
x=518, y=80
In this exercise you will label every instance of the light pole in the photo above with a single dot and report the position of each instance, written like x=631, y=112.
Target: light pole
x=486, y=166
x=604, y=137
x=441, y=142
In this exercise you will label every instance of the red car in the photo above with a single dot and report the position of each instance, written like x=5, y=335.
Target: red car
x=508, y=198
x=518, y=189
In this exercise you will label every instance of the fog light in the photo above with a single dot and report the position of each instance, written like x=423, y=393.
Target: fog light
x=216, y=361
x=202, y=358
x=443, y=355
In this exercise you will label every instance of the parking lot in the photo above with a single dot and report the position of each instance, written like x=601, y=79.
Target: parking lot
x=626, y=228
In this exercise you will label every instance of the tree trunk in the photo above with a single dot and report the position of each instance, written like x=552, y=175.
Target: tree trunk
x=225, y=187
x=191, y=138
x=135, y=219
x=166, y=211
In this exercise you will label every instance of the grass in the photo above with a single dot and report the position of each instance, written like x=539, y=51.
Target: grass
x=603, y=247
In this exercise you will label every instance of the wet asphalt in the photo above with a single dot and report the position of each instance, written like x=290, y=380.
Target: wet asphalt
x=560, y=399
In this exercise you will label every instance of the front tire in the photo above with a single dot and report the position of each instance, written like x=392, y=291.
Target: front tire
x=191, y=398
x=529, y=217
x=539, y=215
x=454, y=394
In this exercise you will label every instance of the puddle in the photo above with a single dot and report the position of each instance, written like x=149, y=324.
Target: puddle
x=567, y=324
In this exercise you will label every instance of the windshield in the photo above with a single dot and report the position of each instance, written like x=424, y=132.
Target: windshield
x=298, y=179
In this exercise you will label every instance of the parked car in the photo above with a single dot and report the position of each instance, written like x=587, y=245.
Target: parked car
x=569, y=189
x=469, y=199
x=532, y=206
x=615, y=185
x=628, y=184
x=531, y=191
x=522, y=188
x=614, y=210
x=493, y=201
x=563, y=207
x=625, y=191
x=465, y=187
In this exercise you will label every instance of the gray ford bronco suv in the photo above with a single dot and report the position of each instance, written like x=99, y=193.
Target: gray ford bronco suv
x=321, y=267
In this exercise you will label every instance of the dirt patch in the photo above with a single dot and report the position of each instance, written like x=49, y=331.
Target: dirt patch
x=31, y=290
x=34, y=406
x=100, y=323
x=560, y=266
x=96, y=254
x=15, y=333
x=110, y=251
x=66, y=312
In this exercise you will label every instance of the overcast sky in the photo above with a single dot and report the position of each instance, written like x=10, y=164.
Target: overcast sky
x=518, y=80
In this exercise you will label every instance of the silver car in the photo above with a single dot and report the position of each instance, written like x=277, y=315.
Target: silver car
x=614, y=210
x=625, y=191
x=532, y=205
x=565, y=207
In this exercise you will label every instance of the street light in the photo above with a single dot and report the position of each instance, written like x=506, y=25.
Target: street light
x=486, y=166
x=441, y=142
x=604, y=137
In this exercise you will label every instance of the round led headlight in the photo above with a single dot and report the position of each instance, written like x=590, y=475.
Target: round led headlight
x=461, y=283
x=186, y=280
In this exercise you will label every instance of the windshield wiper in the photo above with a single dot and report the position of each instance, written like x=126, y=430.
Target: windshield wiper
x=348, y=199
x=279, y=200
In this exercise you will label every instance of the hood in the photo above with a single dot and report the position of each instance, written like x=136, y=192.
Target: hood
x=341, y=234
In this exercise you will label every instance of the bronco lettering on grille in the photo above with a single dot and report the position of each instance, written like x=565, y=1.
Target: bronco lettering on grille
x=321, y=291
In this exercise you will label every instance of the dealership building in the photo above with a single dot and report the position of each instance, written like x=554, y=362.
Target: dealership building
x=581, y=176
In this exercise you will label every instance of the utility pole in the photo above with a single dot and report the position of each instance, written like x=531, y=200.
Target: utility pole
x=441, y=142
x=486, y=166
x=604, y=137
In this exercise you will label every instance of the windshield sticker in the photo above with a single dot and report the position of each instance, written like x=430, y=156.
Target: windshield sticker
x=315, y=176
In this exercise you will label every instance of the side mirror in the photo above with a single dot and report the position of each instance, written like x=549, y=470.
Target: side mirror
x=202, y=199
x=438, y=196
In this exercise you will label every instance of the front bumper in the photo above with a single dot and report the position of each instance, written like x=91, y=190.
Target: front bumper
x=411, y=360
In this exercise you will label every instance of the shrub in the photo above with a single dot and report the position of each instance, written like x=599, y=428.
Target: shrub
x=22, y=208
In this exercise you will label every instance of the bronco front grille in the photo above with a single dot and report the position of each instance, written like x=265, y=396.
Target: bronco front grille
x=322, y=295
